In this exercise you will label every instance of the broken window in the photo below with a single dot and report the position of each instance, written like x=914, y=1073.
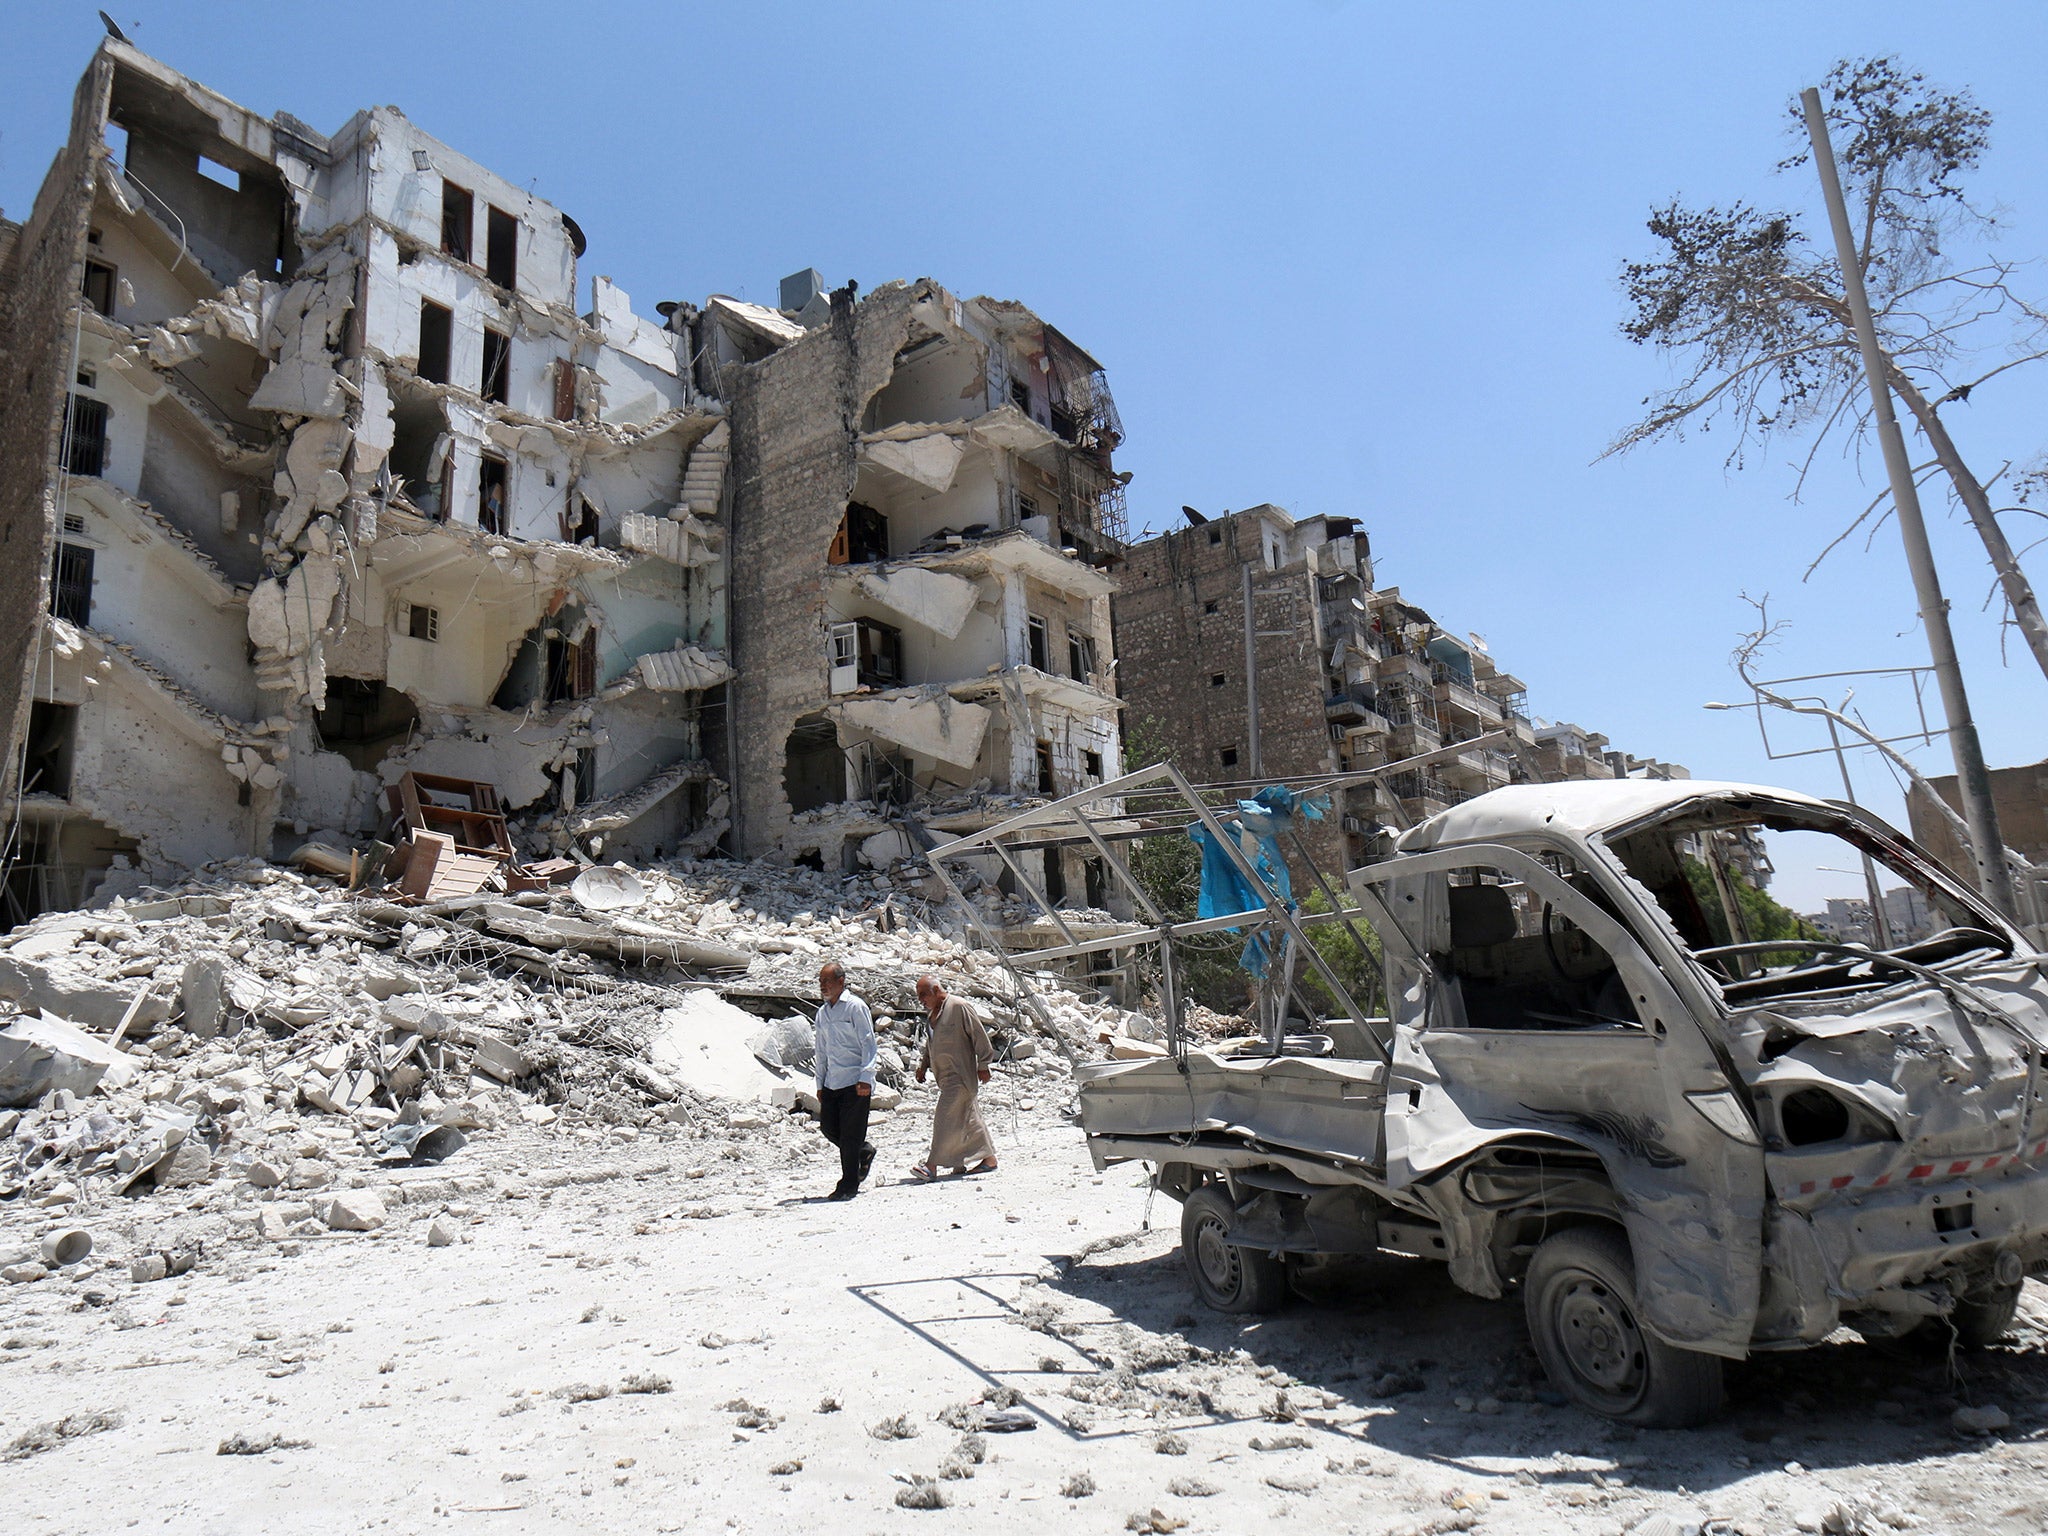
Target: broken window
x=585, y=528
x=1038, y=645
x=1093, y=761
x=501, y=248
x=422, y=622
x=1027, y=507
x=458, y=220
x=1095, y=880
x=881, y=654
x=1055, y=876
x=1045, y=780
x=1514, y=960
x=571, y=668
x=363, y=719
x=46, y=763
x=71, y=584
x=1080, y=656
x=863, y=537
x=1020, y=395
x=98, y=287
x=813, y=766
x=85, y=436
x=497, y=377
x=437, y=337
x=491, y=474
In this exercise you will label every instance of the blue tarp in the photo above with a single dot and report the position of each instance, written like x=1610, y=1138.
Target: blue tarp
x=1225, y=890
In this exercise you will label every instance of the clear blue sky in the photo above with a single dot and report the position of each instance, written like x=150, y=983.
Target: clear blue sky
x=1349, y=258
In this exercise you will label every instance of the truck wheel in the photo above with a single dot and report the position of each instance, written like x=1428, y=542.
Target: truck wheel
x=1226, y=1277
x=1985, y=1317
x=1581, y=1298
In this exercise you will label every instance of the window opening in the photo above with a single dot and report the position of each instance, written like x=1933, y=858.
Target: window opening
x=497, y=377
x=1229, y=756
x=85, y=436
x=1217, y=679
x=458, y=220
x=98, y=287
x=437, y=335
x=881, y=654
x=571, y=668
x=1093, y=760
x=1515, y=961
x=1045, y=780
x=422, y=622
x=1055, y=877
x=1020, y=395
x=1080, y=656
x=586, y=526
x=501, y=248
x=71, y=584
x=490, y=494
x=1095, y=882
x=1215, y=535
x=1208, y=607
x=46, y=765
x=863, y=537
x=1037, y=643
x=220, y=174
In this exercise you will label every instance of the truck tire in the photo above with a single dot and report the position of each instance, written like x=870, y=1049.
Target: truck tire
x=1984, y=1317
x=1580, y=1294
x=1226, y=1277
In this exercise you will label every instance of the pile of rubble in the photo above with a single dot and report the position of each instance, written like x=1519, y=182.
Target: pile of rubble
x=274, y=1029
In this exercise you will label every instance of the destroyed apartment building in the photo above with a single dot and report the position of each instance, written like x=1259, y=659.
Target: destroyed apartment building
x=315, y=477
x=1347, y=677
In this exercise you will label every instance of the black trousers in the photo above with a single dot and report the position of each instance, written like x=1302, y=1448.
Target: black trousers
x=843, y=1117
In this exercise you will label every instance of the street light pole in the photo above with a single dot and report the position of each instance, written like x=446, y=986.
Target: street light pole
x=1973, y=778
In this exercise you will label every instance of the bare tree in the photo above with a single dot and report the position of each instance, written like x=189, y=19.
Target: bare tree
x=1757, y=314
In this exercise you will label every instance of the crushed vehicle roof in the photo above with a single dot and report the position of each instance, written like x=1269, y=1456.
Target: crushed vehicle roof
x=1585, y=808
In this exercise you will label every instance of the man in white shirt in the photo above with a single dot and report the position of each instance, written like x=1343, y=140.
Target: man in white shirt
x=846, y=1056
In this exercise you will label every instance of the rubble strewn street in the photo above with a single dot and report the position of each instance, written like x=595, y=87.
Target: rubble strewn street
x=474, y=1223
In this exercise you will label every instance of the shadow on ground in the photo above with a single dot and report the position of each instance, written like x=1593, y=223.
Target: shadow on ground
x=1396, y=1339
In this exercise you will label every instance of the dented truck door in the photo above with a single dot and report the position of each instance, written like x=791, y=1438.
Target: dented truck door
x=1522, y=1008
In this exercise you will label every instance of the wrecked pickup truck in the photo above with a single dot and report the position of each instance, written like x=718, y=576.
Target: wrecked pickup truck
x=1681, y=1140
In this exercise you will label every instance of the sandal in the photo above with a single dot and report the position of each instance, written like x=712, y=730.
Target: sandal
x=986, y=1165
x=923, y=1172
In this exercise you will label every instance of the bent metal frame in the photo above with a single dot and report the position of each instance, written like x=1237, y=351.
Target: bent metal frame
x=1160, y=802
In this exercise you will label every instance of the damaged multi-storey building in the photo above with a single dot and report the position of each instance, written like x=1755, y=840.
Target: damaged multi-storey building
x=924, y=513
x=316, y=474
x=1261, y=648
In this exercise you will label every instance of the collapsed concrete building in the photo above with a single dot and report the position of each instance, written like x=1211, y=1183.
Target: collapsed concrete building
x=1347, y=676
x=315, y=475
x=924, y=515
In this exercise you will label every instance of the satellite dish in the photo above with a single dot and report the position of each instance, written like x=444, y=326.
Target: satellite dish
x=607, y=890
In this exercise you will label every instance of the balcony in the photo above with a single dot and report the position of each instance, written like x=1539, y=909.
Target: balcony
x=1403, y=668
x=1353, y=709
x=1455, y=692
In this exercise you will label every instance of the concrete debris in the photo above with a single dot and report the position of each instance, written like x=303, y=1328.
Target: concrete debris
x=41, y=1056
x=1984, y=1419
x=277, y=1044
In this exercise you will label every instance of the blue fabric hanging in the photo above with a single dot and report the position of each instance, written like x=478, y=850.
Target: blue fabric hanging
x=1224, y=888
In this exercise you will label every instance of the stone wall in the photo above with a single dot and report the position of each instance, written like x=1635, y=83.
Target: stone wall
x=796, y=422
x=1172, y=649
x=2020, y=796
x=39, y=289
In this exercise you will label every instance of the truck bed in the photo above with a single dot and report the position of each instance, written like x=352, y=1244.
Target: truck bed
x=1326, y=1110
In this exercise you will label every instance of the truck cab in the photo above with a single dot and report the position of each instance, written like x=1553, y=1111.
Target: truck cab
x=1602, y=1082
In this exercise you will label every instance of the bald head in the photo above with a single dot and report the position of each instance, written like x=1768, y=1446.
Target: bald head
x=929, y=992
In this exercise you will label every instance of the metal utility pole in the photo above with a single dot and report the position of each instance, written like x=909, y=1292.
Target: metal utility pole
x=1973, y=778
x=1251, y=680
x=1880, y=925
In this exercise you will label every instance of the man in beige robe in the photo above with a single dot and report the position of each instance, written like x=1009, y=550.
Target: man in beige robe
x=957, y=1052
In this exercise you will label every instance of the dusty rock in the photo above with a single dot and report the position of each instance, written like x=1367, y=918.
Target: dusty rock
x=22, y=1274
x=1981, y=1420
x=440, y=1232
x=354, y=1210
x=144, y=1268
